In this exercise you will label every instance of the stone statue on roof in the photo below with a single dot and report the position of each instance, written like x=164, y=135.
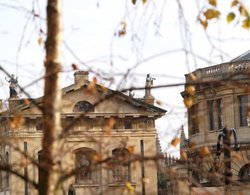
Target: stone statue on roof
x=149, y=80
x=13, y=86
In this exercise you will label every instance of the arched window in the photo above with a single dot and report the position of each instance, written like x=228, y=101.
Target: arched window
x=86, y=169
x=121, y=165
x=7, y=172
x=244, y=173
x=83, y=106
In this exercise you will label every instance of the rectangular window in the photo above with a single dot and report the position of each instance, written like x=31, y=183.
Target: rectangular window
x=243, y=106
x=194, y=119
x=214, y=108
x=210, y=105
x=219, y=113
x=39, y=124
x=128, y=124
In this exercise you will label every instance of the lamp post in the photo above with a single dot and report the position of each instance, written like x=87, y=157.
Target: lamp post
x=225, y=136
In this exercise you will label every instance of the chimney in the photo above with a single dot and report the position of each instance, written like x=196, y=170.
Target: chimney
x=81, y=78
x=148, y=98
x=13, y=104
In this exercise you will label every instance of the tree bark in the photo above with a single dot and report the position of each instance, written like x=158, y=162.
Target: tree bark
x=52, y=101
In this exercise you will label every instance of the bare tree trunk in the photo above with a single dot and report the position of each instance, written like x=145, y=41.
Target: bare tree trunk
x=52, y=101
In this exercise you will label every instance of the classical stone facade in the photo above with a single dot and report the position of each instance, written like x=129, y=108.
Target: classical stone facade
x=218, y=144
x=98, y=124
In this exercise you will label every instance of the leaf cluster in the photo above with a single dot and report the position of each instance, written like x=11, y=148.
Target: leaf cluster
x=238, y=12
x=238, y=8
x=209, y=13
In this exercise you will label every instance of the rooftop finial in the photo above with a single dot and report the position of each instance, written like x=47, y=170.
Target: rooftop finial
x=149, y=83
x=149, y=80
x=13, y=86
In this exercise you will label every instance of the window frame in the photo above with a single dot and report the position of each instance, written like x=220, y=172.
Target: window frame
x=243, y=109
x=120, y=172
x=91, y=177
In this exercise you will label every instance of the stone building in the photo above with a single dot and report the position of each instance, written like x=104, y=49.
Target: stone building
x=218, y=144
x=99, y=123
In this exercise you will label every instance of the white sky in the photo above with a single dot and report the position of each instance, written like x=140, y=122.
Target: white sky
x=89, y=26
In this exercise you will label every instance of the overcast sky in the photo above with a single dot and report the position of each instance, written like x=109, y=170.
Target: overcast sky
x=153, y=43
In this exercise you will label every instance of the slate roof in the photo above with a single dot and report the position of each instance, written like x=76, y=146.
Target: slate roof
x=243, y=57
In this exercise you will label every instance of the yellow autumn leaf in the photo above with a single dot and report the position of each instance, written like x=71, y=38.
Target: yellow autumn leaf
x=130, y=188
x=211, y=13
x=175, y=141
x=190, y=89
x=203, y=23
x=188, y=102
x=234, y=3
x=213, y=2
x=230, y=17
x=144, y=1
x=246, y=23
x=243, y=11
x=204, y=151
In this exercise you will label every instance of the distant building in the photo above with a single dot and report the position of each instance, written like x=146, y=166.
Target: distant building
x=219, y=109
x=100, y=123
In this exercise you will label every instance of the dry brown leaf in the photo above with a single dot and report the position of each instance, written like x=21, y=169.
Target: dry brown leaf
x=192, y=76
x=190, y=89
x=74, y=66
x=158, y=102
x=16, y=121
x=92, y=86
x=110, y=123
x=40, y=40
x=213, y=2
x=104, y=89
x=234, y=3
x=204, y=23
x=188, y=101
x=26, y=101
x=97, y=157
x=237, y=156
x=145, y=180
x=191, y=145
x=211, y=13
x=175, y=141
x=204, y=151
x=183, y=155
x=131, y=149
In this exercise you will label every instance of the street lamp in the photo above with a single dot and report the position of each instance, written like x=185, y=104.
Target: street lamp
x=225, y=136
